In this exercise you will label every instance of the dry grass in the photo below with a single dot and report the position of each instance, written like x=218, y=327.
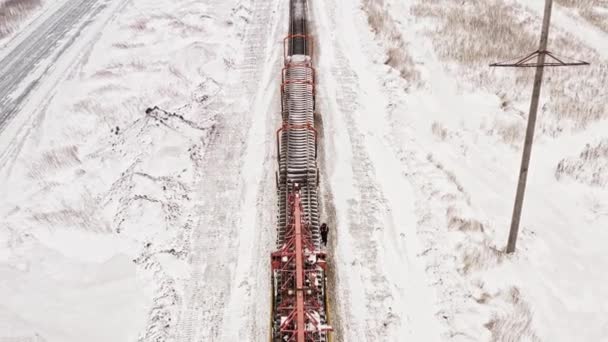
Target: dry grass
x=514, y=324
x=439, y=131
x=396, y=48
x=127, y=45
x=511, y=133
x=508, y=126
x=594, y=11
x=479, y=31
x=478, y=252
x=53, y=161
x=450, y=176
x=455, y=222
x=590, y=167
x=473, y=34
x=13, y=11
x=139, y=25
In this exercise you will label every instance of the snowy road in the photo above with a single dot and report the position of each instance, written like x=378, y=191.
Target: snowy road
x=29, y=56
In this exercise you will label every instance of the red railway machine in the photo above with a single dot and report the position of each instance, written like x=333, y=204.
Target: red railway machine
x=299, y=299
x=299, y=282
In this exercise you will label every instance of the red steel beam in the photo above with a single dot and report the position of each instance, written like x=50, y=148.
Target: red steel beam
x=299, y=270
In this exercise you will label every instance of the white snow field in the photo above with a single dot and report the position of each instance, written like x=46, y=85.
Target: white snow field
x=120, y=224
x=137, y=171
x=422, y=148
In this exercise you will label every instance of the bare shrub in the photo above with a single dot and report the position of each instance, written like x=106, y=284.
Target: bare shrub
x=515, y=323
x=54, y=160
x=483, y=298
x=450, y=175
x=127, y=45
x=138, y=65
x=464, y=224
x=12, y=12
x=479, y=256
x=439, y=130
x=381, y=23
x=477, y=252
x=510, y=131
x=139, y=25
x=590, y=167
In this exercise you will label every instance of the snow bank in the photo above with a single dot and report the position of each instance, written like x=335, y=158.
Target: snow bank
x=78, y=299
x=101, y=182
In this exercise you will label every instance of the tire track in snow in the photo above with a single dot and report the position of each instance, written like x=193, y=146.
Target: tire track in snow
x=365, y=298
x=365, y=212
x=327, y=212
x=247, y=307
x=208, y=313
x=382, y=289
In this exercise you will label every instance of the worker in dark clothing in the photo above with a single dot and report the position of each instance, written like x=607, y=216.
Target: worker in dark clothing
x=324, y=231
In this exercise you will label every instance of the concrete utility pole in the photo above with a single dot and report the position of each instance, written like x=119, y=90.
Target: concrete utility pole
x=540, y=65
x=525, y=159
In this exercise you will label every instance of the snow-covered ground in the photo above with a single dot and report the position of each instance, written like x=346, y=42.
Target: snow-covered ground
x=423, y=145
x=380, y=288
x=119, y=223
x=122, y=224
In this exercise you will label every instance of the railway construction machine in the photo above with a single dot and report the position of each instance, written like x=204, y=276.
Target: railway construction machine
x=299, y=297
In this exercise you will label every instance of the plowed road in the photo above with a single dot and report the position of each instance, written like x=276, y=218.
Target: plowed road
x=31, y=54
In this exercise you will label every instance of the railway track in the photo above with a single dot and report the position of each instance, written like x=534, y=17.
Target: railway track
x=299, y=311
